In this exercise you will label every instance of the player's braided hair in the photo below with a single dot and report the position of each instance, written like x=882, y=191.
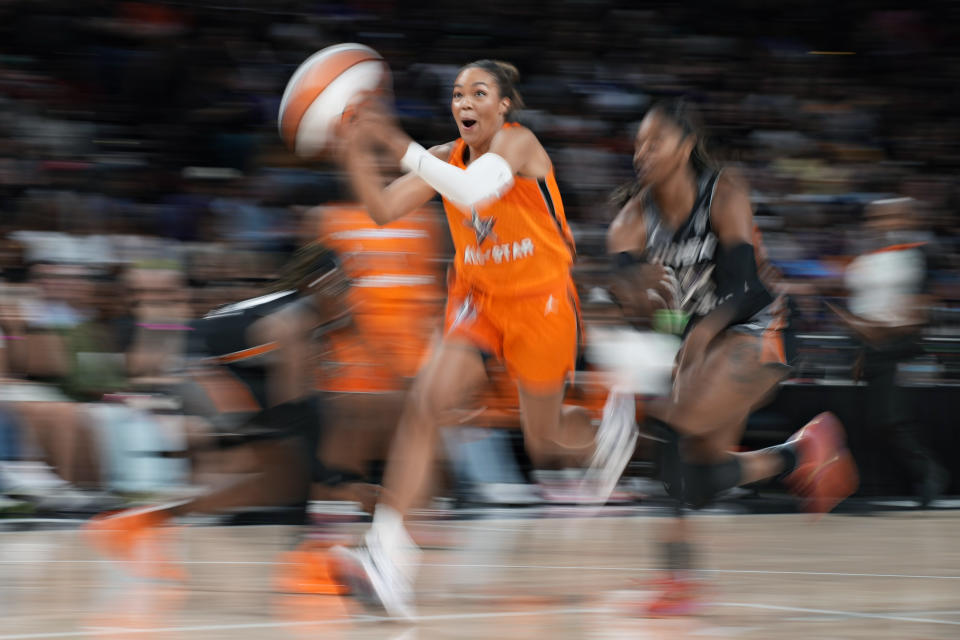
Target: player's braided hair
x=684, y=115
x=308, y=263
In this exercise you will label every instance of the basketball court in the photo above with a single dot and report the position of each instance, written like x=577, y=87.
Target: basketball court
x=548, y=573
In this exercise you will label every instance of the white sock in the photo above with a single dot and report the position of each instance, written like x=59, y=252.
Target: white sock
x=388, y=527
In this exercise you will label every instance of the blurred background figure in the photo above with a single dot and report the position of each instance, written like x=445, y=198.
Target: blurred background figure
x=257, y=387
x=396, y=296
x=888, y=309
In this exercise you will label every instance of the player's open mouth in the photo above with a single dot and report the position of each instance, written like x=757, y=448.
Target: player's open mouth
x=468, y=123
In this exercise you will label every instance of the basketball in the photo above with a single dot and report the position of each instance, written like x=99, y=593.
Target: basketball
x=321, y=89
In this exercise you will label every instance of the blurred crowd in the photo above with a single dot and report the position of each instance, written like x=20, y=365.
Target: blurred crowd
x=142, y=181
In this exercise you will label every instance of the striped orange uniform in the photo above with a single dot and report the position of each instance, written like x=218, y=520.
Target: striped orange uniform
x=395, y=293
x=512, y=295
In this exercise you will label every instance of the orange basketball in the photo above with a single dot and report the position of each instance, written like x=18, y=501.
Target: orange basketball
x=322, y=88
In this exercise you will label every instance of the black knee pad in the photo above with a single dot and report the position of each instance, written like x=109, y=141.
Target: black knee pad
x=693, y=485
x=668, y=459
x=698, y=486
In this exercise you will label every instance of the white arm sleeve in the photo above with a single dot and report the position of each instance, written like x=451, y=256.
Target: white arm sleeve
x=485, y=179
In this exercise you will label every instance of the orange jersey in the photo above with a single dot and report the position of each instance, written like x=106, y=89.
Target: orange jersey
x=395, y=296
x=391, y=262
x=516, y=245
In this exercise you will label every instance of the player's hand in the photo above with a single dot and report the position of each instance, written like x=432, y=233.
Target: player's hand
x=659, y=283
x=643, y=289
x=369, y=121
x=867, y=331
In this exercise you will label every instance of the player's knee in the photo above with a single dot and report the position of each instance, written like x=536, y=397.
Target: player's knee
x=424, y=407
x=669, y=461
x=698, y=485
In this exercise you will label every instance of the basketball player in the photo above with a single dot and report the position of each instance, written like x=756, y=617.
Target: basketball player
x=395, y=297
x=262, y=384
x=684, y=240
x=510, y=296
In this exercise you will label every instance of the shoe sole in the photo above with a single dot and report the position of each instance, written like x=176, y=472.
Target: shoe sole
x=307, y=573
x=363, y=581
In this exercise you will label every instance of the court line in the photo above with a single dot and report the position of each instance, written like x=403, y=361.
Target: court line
x=93, y=632
x=143, y=562
x=644, y=569
x=510, y=566
x=831, y=612
x=300, y=623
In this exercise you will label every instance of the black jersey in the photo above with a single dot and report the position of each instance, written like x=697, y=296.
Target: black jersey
x=689, y=251
x=224, y=330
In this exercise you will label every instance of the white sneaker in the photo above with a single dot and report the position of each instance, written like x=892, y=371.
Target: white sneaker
x=615, y=442
x=29, y=478
x=378, y=578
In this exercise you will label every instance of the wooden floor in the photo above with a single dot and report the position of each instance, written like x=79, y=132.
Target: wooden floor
x=894, y=575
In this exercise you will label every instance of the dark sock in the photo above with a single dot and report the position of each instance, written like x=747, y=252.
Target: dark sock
x=677, y=556
x=788, y=456
x=667, y=457
x=727, y=474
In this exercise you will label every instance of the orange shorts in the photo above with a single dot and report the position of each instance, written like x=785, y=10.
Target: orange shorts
x=534, y=335
x=381, y=352
x=350, y=366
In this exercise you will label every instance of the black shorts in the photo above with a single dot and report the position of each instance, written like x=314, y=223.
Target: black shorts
x=221, y=341
x=776, y=332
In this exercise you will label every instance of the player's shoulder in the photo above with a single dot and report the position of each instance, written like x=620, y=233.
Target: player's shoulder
x=514, y=131
x=729, y=181
x=444, y=150
x=731, y=194
x=631, y=212
x=626, y=231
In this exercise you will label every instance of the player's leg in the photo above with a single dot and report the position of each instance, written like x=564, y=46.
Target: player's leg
x=699, y=424
x=382, y=569
x=890, y=412
x=709, y=408
x=540, y=336
x=554, y=434
x=277, y=444
x=454, y=371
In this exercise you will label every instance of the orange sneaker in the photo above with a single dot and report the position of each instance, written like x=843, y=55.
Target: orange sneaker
x=826, y=473
x=675, y=597
x=307, y=571
x=135, y=536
